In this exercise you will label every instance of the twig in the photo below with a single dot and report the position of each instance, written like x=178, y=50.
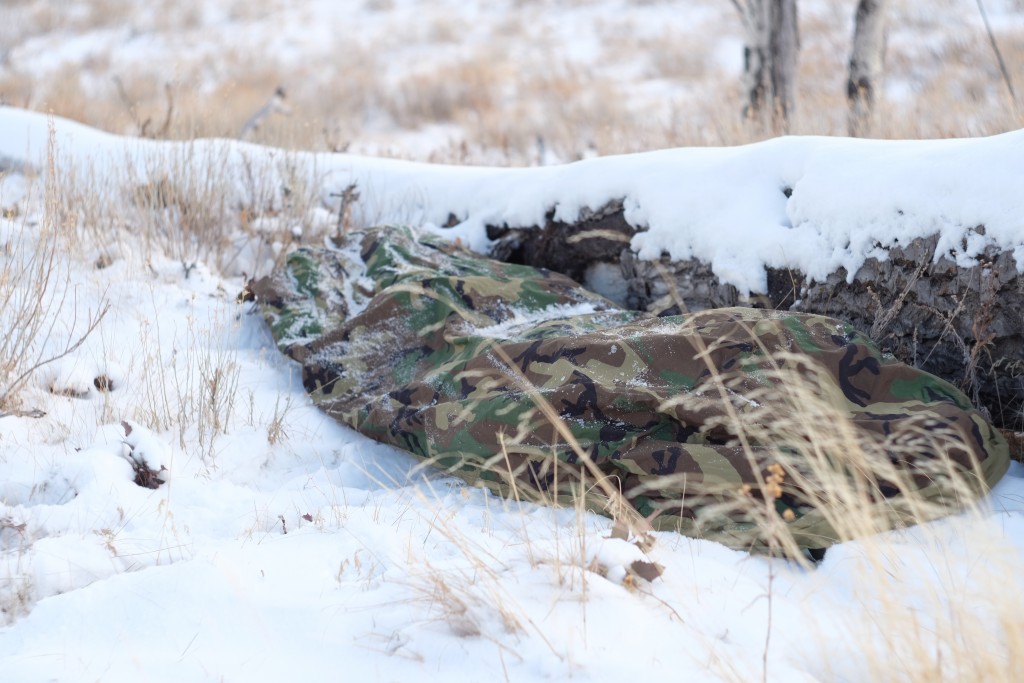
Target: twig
x=133, y=110
x=34, y=413
x=883, y=321
x=768, y=629
x=999, y=55
x=93, y=324
x=276, y=103
x=348, y=197
x=170, y=111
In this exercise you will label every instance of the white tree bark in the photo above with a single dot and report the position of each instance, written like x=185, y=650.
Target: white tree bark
x=770, y=59
x=867, y=61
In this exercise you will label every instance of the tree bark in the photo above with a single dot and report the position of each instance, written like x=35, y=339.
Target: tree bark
x=769, y=60
x=867, y=60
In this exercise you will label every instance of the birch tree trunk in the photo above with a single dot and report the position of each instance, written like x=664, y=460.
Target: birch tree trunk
x=769, y=60
x=867, y=61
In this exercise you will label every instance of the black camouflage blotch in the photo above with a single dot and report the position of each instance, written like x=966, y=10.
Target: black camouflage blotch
x=667, y=460
x=849, y=369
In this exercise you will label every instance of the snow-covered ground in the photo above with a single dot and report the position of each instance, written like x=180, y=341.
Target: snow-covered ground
x=285, y=547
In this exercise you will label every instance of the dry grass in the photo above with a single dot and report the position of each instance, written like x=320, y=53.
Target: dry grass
x=206, y=386
x=16, y=588
x=952, y=629
x=201, y=213
x=518, y=85
x=38, y=296
x=193, y=204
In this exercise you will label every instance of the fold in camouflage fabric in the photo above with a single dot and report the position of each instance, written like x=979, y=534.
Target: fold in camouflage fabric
x=462, y=361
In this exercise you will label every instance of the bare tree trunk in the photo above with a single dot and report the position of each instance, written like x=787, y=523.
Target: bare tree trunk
x=867, y=61
x=769, y=60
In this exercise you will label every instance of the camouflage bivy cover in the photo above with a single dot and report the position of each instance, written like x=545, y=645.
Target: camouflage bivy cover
x=522, y=380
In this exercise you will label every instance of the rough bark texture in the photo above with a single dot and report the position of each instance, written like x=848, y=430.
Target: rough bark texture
x=769, y=59
x=574, y=249
x=867, y=59
x=964, y=324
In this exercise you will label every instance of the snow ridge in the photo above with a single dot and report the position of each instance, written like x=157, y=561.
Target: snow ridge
x=808, y=203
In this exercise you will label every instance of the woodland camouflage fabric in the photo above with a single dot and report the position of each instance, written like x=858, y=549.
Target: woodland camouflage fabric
x=489, y=370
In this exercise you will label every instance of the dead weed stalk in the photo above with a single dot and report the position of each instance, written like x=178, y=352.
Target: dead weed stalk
x=37, y=294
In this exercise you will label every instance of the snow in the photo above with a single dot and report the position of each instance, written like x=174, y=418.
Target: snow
x=520, y=320
x=849, y=199
x=284, y=546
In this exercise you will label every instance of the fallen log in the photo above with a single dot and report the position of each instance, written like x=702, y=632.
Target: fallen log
x=962, y=323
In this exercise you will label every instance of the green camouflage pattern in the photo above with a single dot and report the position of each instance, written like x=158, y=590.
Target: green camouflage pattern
x=463, y=361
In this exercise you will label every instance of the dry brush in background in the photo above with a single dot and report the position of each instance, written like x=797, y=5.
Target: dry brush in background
x=515, y=96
